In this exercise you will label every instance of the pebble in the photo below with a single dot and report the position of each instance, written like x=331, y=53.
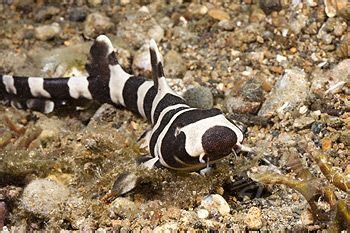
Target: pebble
x=252, y=90
x=141, y=64
x=317, y=127
x=3, y=213
x=280, y=58
x=196, y=11
x=303, y=122
x=202, y=213
x=257, y=15
x=253, y=219
x=124, y=2
x=269, y=6
x=174, y=66
x=96, y=23
x=344, y=9
x=166, y=227
x=137, y=28
x=289, y=91
x=123, y=207
x=226, y=25
x=77, y=14
x=46, y=13
x=215, y=203
x=298, y=23
x=237, y=104
x=199, y=97
x=43, y=196
x=322, y=81
x=345, y=137
x=306, y=218
x=156, y=32
x=218, y=14
x=94, y=3
x=47, y=32
x=326, y=144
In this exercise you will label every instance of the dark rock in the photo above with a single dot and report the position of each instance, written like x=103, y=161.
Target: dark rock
x=46, y=13
x=268, y=6
x=252, y=91
x=199, y=97
x=317, y=127
x=77, y=14
x=24, y=5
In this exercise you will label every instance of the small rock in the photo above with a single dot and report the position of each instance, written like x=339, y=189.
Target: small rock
x=236, y=104
x=303, y=109
x=137, y=28
x=77, y=14
x=174, y=66
x=3, y=213
x=317, y=127
x=268, y=6
x=252, y=90
x=199, y=97
x=307, y=218
x=303, y=122
x=215, y=203
x=345, y=137
x=47, y=32
x=257, y=15
x=156, y=32
x=326, y=144
x=124, y=208
x=141, y=64
x=96, y=24
x=344, y=9
x=124, y=2
x=202, y=213
x=253, y=218
x=24, y=5
x=218, y=14
x=340, y=28
x=46, y=13
x=321, y=81
x=227, y=25
x=167, y=227
x=343, y=50
x=94, y=2
x=290, y=90
x=43, y=196
x=298, y=23
x=280, y=58
x=196, y=11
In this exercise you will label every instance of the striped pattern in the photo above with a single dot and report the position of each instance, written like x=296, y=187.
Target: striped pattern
x=182, y=138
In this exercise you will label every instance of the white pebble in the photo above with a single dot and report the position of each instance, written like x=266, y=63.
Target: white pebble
x=202, y=213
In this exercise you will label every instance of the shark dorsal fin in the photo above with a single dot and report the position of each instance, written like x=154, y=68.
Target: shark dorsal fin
x=157, y=64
